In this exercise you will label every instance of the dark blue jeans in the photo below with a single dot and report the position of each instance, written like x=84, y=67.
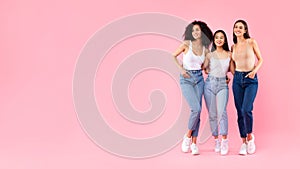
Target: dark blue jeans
x=244, y=92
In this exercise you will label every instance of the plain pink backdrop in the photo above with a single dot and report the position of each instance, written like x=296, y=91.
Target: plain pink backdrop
x=39, y=46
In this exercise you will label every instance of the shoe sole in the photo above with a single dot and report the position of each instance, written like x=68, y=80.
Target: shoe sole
x=224, y=153
x=185, y=151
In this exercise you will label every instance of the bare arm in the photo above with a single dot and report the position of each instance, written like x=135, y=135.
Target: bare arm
x=259, y=59
x=205, y=65
x=182, y=48
x=258, y=56
x=232, y=63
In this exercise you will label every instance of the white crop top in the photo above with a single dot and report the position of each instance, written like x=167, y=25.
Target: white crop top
x=191, y=61
x=218, y=67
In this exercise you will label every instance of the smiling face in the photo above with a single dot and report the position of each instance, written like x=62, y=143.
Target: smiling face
x=219, y=39
x=196, y=32
x=239, y=29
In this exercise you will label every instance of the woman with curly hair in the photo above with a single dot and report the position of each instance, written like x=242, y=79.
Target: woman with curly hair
x=197, y=38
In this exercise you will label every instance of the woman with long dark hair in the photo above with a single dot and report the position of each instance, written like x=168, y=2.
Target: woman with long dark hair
x=244, y=66
x=216, y=65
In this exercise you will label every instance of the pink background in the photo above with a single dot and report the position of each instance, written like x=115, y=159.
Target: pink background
x=40, y=42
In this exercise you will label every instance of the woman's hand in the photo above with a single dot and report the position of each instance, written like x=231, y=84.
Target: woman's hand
x=251, y=74
x=227, y=79
x=185, y=74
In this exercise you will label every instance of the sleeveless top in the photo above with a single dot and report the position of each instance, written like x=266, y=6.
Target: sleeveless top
x=244, y=59
x=191, y=61
x=218, y=67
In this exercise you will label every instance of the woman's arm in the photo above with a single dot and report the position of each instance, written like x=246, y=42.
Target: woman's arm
x=182, y=48
x=232, y=63
x=227, y=78
x=258, y=56
x=205, y=65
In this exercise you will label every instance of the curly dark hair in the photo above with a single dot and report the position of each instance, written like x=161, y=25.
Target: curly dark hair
x=246, y=35
x=206, y=33
x=225, y=45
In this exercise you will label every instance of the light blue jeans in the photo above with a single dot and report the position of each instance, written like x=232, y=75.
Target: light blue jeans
x=192, y=90
x=216, y=99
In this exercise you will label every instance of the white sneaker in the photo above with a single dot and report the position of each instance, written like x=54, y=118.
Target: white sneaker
x=224, y=147
x=243, y=149
x=194, y=149
x=217, y=146
x=185, y=146
x=251, y=146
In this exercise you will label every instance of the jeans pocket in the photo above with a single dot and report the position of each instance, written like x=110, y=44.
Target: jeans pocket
x=184, y=80
x=250, y=80
x=223, y=85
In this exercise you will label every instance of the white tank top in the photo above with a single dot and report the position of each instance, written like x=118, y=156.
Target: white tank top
x=191, y=61
x=218, y=67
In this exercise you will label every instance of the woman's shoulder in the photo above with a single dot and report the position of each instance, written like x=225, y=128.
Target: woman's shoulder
x=210, y=55
x=228, y=52
x=232, y=47
x=251, y=41
x=206, y=51
x=186, y=43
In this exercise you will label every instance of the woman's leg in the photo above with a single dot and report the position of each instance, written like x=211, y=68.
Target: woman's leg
x=238, y=93
x=192, y=92
x=250, y=94
x=249, y=97
x=222, y=100
x=211, y=105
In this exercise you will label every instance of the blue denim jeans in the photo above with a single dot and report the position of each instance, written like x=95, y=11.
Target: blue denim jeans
x=216, y=99
x=192, y=90
x=244, y=92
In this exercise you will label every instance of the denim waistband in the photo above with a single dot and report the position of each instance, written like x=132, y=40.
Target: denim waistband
x=216, y=78
x=194, y=71
x=243, y=73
